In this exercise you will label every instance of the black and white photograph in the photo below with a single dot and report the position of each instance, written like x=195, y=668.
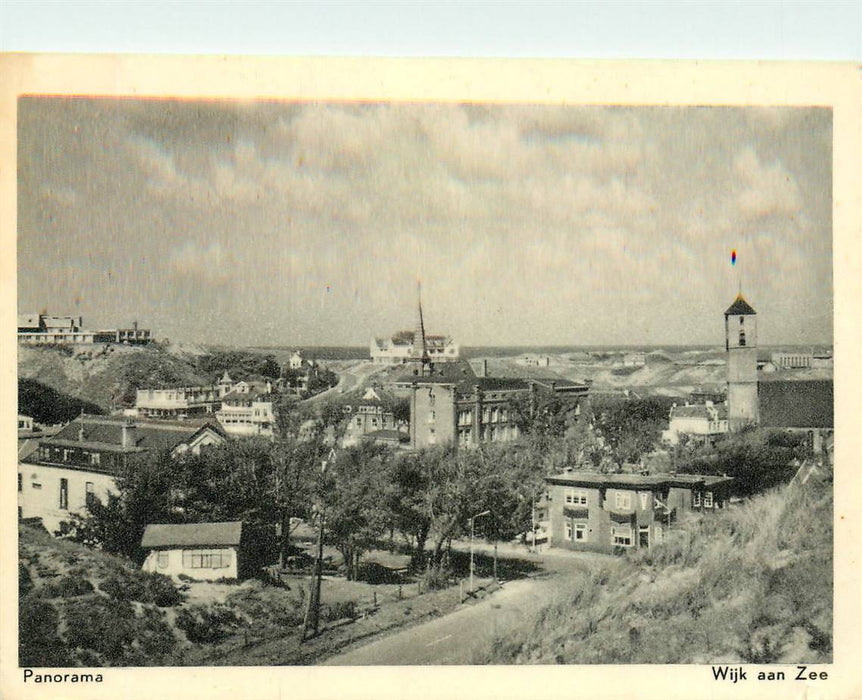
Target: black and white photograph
x=320, y=381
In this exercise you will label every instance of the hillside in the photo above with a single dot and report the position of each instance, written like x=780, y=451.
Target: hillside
x=752, y=583
x=107, y=375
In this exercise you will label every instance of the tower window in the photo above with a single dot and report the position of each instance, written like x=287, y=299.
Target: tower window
x=742, y=339
x=742, y=320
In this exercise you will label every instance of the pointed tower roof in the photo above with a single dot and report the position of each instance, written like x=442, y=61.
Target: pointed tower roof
x=226, y=378
x=740, y=307
x=420, y=347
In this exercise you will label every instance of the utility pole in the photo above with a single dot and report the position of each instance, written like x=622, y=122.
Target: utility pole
x=312, y=612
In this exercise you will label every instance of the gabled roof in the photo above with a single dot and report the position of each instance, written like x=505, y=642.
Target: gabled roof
x=192, y=535
x=106, y=432
x=633, y=481
x=801, y=403
x=740, y=307
x=700, y=411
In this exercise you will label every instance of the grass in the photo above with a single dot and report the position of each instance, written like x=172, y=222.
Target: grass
x=751, y=584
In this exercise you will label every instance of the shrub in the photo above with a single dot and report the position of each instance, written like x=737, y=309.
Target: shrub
x=104, y=625
x=38, y=641
x=68, y=587
x=204, y=625
x=25, y=581
x=141, y=586
x=339, y=611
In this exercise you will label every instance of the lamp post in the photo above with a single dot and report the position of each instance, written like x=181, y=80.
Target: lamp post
x=311, y=623
x=472, y=528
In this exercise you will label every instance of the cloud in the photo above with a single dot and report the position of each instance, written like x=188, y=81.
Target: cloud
x=768, y=190
x=210, y=264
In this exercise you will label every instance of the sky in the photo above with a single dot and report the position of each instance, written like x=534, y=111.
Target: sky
x=285, y=223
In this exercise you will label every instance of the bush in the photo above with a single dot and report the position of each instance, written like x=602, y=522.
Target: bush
x=38, y=641
x=205, y=625
x=339, y=611
x=142, y=586
x=106, y=626
x=68, y=587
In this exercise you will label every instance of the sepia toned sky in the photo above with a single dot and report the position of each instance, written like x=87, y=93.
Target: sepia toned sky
x=266, y=223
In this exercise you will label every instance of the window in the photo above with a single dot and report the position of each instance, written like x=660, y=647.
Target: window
x=206, y=558
x=621, y=538
x=742, y=339
x=432, y=436
x=90, y=490
x=568, y=531
x=707, y=499
x=20, y=482
x=576, y=497
x=581, y=532
x=695, y=499
x=95, y=459
x=432, y=398
x=742, y=320
x=623, y=501
x=162, y=560
x=644, y=500
x=64, y=494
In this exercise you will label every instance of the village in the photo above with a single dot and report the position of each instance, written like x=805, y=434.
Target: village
x=327, y=502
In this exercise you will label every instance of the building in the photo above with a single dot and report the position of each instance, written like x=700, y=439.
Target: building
x=178, y=402
x=455, y=406
x=247, y=410
x=740, y=333
x=702, y=420
x=634, y=359
x=615, y=512
x=42, y=329
x=792, y=360
x=802, y=405
x=708, y=394
x=369, y=414
x=414, y=346
x=822, y=360
x=296, y=360
x=534, y=361
x=202, y=551
x=58, y=476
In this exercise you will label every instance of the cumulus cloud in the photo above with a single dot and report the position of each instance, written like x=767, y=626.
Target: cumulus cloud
x=768, y=189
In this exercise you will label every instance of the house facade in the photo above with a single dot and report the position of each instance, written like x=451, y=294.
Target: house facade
x=178, y=402
x=43, y=329
x=615, y=512
x=702, y=420
x=59, y=476
x=400, y=349
x=470, y=410
x=368, y=414
x=248, y=410
x=202, y=551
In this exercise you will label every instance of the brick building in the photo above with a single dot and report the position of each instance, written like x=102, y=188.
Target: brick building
x=614, y=512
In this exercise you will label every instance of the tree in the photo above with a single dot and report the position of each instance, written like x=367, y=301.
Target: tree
x=354, y=512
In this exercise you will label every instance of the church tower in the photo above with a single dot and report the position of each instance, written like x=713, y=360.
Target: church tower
x=740, y=337
x=420, y=347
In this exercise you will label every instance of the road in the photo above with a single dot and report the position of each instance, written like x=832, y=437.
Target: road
x=452, y=639
x=351, y=375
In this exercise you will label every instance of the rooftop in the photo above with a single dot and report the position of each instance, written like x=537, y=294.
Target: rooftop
x=106, y=432
x=800, y=403
x=597, y=480
x=740, y=307
x=192, y=535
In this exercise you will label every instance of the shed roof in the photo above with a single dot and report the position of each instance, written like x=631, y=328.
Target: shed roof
x=192, y=535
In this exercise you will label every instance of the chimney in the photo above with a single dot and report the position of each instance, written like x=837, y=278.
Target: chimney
x=129, y=430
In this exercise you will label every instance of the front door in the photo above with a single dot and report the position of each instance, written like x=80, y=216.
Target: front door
x=643, y=536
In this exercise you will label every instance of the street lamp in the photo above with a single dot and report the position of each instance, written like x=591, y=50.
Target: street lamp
x=472, y=523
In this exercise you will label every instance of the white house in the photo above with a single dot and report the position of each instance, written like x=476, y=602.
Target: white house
x=247, y=411
x=59, y=475
x=296, y=360
x=203, y=551
x=699, y=419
